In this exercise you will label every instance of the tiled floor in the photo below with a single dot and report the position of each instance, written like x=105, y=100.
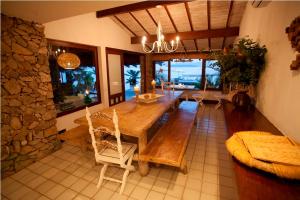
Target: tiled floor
x=71, y=174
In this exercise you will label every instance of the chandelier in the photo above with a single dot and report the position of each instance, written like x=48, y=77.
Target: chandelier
x=64, y=59
x=68, y=61
x=160, y=45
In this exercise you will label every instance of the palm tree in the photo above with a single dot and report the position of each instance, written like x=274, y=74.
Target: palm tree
x=133, y=76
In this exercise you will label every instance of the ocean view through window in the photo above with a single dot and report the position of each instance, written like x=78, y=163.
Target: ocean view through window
x=188, y=72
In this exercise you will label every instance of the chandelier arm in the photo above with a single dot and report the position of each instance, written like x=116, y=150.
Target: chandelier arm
x=149, y=50
x=172, y=48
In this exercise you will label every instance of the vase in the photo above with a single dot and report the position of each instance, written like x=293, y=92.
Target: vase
x=241, y=100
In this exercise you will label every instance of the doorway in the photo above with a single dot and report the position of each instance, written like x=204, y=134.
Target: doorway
x=125, y=69
x=132, y=74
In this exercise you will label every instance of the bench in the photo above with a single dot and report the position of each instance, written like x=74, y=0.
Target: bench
x=77, y=136
x=168, y=145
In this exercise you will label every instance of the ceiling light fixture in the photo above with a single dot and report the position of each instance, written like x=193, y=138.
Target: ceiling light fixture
x=160, y=45
x=68, y=61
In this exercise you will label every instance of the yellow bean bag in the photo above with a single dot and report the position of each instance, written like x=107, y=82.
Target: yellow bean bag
x=237, y=148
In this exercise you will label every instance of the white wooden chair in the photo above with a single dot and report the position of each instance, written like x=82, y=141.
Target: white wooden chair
x=219, y=98
x=122, y=153
x=200, y=96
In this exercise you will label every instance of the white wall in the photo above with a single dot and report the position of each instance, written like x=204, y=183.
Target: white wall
x=87, y=29
x=279, y=87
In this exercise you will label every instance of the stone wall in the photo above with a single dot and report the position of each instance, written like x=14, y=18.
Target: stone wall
x=28, y=115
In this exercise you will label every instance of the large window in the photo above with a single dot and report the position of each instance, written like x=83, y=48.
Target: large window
x=188, y=72
x=73, y=89
x=161, y=71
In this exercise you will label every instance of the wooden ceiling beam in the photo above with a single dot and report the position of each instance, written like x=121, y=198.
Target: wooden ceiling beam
x=227, y=22
x=151, y=17
x=133, y=33
x=174, y=25
x=187, y=9
x=193, y=35
x=139, y=23
x=133, y=7
x=208, y=22
x=119, y=20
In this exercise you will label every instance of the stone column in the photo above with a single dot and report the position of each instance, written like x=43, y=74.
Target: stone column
x=28, y=114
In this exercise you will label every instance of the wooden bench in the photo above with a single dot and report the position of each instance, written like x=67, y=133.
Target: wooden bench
x=77, y=136
x=168, y=145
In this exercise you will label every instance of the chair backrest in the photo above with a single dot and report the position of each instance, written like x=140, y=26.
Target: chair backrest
x=115, y=132
x=167, y=85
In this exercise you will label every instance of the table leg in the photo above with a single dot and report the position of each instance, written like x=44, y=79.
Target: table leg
x=143, y=166
x=183, y=166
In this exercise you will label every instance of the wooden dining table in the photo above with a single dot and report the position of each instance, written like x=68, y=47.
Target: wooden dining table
x=136, y=119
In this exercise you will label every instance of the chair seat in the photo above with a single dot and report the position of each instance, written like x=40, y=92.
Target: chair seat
x=110, y=155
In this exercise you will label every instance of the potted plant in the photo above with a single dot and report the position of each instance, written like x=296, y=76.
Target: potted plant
x=242, y=64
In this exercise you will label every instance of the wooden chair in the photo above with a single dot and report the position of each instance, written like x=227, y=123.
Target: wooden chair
x=111, y=152
x=167, y=85
x=200, y=96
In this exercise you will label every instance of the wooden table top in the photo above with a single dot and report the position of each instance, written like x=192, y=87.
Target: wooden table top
x=136, y=118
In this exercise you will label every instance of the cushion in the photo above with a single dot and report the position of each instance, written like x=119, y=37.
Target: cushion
x=237, y=148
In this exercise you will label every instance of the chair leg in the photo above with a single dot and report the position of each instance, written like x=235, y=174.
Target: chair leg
x=124, y=179
x=128, y=168
x=128, y=165
x=201, y=102
x=103, y=170
x=218, y=105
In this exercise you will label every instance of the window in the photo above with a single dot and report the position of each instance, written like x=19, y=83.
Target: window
x=73, y=89
x=212, y=75
x=189, y=72
x=186, y=72
x=161, y=71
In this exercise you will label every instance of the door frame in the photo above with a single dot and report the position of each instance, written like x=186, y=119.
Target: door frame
x=109, y=50
x=120, y=53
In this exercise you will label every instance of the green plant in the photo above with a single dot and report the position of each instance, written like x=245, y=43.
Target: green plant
x=84, y=78
x=133, y=76
x=197, y=85
x=87, y=99
x=243, y=63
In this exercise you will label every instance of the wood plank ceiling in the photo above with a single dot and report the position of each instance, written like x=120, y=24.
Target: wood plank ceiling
x=194, y=19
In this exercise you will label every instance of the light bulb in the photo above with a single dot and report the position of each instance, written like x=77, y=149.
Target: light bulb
x=144, y=39
x=172, y=43
x=177, y=38
x=162, y=37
